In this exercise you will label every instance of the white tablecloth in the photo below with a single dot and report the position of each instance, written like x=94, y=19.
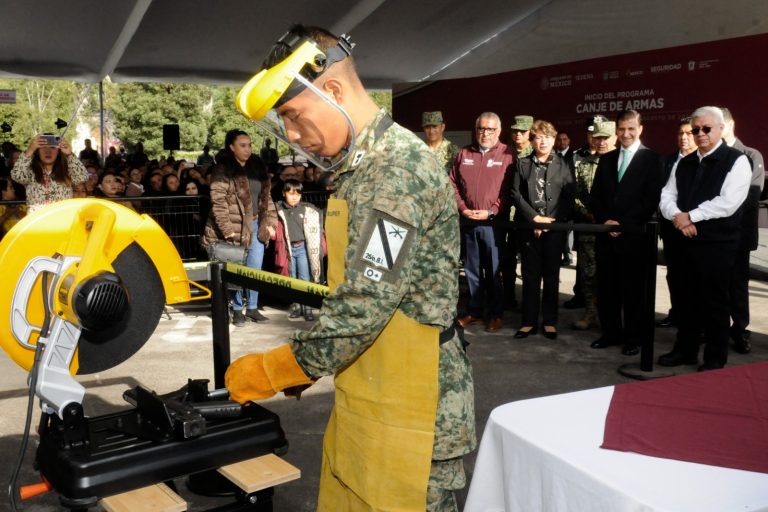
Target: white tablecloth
x=544, y=455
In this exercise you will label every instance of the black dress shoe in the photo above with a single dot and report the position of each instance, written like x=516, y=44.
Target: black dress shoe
x=574, y=302
x=710, y=366
x=551, y=335
x=741, y=343
x=677, y=359
x=524, y=334
x=667, y=321
x=630, y=350
x=604, y=343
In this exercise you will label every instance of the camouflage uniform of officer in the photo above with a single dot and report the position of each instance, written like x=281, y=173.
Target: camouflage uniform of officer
x=445, y=154
x=587, y=267
x=392, y=175
x=446, y=151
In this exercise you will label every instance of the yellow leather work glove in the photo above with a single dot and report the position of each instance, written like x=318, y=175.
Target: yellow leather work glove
x=259, y=376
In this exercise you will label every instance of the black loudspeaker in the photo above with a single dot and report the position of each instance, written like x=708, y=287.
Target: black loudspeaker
x=171, y=137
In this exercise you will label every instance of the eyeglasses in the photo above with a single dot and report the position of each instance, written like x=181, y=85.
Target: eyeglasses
x=706, y=129
x=485, y=129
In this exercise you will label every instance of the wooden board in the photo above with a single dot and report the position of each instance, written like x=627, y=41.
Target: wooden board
x=260, y=473
x=154, y=498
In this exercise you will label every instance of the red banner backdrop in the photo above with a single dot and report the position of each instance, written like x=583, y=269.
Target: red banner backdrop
x=664, y=85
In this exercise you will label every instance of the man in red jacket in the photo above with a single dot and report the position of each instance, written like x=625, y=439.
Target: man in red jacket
x=481, y=178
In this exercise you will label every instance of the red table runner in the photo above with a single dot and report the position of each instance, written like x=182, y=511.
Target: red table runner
x=717, y=417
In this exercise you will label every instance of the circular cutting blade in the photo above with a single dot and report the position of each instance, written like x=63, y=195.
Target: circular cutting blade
x=99, y=351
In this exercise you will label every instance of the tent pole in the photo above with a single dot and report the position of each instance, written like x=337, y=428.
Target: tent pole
x=101, y=120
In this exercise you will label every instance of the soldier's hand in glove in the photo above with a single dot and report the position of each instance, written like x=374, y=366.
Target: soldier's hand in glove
x=259, y=376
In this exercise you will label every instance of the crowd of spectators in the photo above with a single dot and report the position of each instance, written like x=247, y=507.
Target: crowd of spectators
x=122, y=176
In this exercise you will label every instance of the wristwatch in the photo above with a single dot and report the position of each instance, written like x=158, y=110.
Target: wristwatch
x=491, y=215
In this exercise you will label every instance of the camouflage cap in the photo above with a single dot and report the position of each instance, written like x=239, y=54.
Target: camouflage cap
x=604, y=129
x=591, y=121
x=431, y=118
x=522, y=123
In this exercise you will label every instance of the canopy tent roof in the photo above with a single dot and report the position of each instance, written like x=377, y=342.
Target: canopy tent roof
x=224, y=41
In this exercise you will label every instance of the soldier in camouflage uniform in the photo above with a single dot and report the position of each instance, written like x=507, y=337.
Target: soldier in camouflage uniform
x=401, y=259
x=444, y=150
x=603, y=140
x=520, y=135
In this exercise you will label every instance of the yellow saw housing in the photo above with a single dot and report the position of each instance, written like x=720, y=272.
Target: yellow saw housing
x=95, y=231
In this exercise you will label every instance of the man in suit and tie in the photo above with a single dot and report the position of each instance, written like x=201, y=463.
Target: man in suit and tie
x=747, y=243
x=625, y=192
x=704, y=199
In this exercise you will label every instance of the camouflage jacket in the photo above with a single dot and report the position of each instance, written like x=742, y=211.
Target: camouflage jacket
x=524, y=153
x=392, y=179
x=585, y=174
x=446, y=153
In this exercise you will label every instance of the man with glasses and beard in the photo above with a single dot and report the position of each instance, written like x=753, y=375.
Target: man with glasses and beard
x=704, y=199
x=482, y=177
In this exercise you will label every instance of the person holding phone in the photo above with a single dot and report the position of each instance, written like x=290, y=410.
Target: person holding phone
x=49, y=171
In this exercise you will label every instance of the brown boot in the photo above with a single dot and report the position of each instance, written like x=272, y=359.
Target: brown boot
x=587, y=321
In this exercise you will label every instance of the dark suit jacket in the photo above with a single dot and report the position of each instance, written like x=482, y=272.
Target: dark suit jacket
x=749, y=233
x=666, y=229
x=560, y=189
x=633, y=201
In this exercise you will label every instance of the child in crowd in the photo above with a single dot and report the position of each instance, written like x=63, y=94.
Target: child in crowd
x=299, y=241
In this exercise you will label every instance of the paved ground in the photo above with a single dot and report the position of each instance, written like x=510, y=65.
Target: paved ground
x=505, y=370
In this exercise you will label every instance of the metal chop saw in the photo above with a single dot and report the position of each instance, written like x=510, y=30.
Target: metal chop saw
x=91, y=281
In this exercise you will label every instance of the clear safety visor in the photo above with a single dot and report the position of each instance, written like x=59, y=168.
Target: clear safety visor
x=274, y=124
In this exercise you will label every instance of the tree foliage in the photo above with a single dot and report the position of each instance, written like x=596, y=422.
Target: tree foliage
x=38, y=104
x=139, y=111
x=136, y=112
x=225, y=117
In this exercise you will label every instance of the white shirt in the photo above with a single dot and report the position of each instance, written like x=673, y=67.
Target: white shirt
x=732, y=194
x=632, y=152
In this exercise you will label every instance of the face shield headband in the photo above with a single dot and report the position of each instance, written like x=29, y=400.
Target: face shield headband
x=272, y=87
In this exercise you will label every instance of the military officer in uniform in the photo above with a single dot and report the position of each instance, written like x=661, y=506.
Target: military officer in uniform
x=603, y=137
x=445, y=151
x=404, y=411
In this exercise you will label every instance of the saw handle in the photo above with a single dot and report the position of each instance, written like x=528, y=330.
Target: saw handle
x=32, y=490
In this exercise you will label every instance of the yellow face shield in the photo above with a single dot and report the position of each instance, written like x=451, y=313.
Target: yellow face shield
x=265, y=89
x=270, y=88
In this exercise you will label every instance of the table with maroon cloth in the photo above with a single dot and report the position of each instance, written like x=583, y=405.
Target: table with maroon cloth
x=545, y=454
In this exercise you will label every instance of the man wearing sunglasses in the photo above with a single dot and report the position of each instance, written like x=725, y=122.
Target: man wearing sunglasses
x=704, y=199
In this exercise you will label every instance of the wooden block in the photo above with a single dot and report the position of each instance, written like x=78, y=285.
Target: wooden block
x=260, y=473
x=154, y=498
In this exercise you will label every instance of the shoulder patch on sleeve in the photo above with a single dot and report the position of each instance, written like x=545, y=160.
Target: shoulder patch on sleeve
x=383, y=244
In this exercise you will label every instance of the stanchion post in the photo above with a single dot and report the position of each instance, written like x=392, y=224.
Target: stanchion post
x=649, y=312
x=220, y=324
